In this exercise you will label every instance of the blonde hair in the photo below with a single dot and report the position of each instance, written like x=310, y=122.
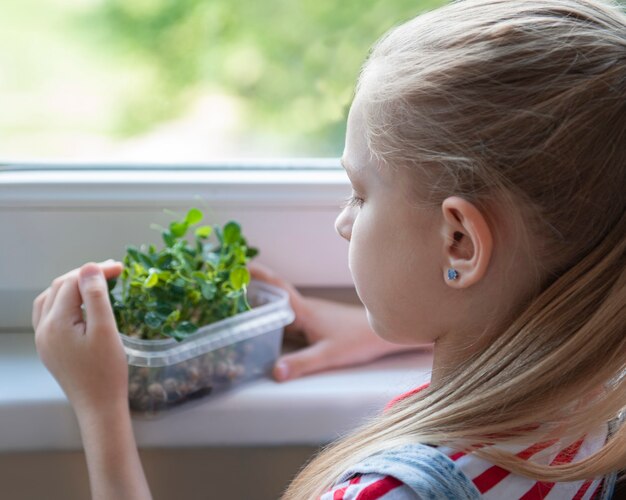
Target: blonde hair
x=525, y=101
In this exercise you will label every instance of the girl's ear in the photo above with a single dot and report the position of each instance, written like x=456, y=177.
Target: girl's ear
x=468, y=243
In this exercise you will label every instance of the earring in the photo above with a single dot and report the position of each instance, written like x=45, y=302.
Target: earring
x=452, y=274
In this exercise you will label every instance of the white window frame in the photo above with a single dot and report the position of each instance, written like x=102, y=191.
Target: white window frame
x=56, y=216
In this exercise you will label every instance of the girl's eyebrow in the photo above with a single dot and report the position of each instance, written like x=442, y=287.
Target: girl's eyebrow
x=352, y=172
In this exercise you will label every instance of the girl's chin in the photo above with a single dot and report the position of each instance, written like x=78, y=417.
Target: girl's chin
x=395, y=335
x=382, y=331
x=371, y=320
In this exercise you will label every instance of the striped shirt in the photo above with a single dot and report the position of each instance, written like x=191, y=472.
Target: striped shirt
x=493, y=482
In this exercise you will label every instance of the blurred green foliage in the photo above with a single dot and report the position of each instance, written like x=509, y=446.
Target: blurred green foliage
x=82, y=76
x=292, y=63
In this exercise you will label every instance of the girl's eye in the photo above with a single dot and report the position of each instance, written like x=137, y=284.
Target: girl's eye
x=353, y=201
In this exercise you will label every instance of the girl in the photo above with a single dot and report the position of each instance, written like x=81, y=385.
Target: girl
x=486, y=146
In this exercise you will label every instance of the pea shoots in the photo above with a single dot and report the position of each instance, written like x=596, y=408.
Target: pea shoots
x=172, y=292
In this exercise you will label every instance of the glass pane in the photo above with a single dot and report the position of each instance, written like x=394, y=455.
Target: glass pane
x=183, y=80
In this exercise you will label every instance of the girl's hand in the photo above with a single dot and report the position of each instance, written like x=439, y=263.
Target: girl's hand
x=337, y=334
x=84, y=355
x=87, y=358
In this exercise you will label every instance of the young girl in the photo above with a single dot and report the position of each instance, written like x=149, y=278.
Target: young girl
x=486, y=146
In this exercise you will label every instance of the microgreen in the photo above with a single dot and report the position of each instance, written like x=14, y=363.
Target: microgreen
x=174, y=291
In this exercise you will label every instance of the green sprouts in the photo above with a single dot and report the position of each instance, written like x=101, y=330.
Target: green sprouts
x=174, y=291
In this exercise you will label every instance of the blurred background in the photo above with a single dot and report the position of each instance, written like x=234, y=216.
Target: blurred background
x=183, y=80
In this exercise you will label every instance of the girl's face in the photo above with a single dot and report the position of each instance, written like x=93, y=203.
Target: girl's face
x=395, y=254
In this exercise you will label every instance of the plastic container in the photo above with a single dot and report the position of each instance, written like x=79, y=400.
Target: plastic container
x=165, y=373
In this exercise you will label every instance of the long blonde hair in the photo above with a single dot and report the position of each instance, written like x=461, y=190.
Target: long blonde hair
x=525, y=99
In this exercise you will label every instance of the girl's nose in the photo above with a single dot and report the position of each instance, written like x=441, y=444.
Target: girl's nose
x=343, y=226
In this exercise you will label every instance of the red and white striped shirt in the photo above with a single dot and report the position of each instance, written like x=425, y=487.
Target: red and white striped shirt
x=493, y=482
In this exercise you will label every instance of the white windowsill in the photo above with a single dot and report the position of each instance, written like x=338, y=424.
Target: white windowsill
x=35, y=415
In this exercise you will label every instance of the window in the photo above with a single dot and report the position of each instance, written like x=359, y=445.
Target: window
x=147, y=81
x=55, y=220
x=115, y=110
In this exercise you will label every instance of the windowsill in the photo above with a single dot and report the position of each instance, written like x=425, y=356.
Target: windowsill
x=35, y=415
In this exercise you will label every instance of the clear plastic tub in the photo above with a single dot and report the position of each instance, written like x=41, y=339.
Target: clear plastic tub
x=165, y=373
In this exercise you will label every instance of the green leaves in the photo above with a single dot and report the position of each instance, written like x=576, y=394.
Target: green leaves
x=152, y=279
x=178, y=229
x=209, y=290
x=239, y=277
x=153, y=320
x=193, y=216
x=204, y=232
x=173, y=291
x=232, y=233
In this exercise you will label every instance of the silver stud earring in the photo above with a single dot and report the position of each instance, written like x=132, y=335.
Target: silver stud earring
x=452, y=274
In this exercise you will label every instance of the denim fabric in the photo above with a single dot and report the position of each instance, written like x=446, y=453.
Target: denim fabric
x=608, y=486
x=611, y=479
x=424, y=469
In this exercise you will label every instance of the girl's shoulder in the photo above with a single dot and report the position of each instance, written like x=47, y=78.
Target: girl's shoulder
x=419, y=471
x=494, y=482
x=405, y=472
x=371, y=487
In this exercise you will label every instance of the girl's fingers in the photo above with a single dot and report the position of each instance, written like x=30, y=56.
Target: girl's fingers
x=44, y=301
x=111, y=268
x=95, y=295
x=311, y=359
x=51, y=294
x=264, y=273
x=66, y=307
x=37, y=307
